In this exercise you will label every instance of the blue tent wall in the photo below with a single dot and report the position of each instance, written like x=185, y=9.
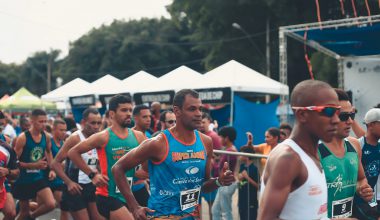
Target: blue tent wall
x=222, y=115
x=256, y=118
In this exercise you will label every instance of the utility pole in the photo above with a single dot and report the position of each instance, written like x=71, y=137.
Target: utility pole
x=267, y=97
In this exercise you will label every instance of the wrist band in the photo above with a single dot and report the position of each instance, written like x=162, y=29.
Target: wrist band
x=217, y=182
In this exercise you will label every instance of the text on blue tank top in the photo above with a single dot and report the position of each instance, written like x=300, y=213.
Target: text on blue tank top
x=31, y=153
x=175, y=183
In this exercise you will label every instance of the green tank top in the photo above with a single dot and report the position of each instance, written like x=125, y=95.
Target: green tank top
x=109, y=155
x=341, y=177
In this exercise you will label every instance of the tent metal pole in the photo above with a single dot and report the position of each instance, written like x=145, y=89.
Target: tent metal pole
x=232, y=108
x=283, y=70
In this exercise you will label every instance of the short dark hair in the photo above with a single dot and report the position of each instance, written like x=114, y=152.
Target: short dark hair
x=342, y=95
x=2, y=116
x=58, y=121
x=71, y=125
x=118, y=99
x=206, y=115
x=228, y=131
x=275, y=132
x=89, y=111
x=38, y=112
x=163, y=115
x=23, y=120
x=138, y=108
x=179, y=97
x=285, y=125
x=248, y=149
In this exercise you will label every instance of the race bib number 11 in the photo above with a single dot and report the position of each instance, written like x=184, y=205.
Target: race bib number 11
x=189, y=198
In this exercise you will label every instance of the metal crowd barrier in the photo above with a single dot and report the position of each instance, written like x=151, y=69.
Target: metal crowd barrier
x=257, y=162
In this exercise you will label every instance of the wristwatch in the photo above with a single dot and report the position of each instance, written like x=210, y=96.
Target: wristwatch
x=91, y=175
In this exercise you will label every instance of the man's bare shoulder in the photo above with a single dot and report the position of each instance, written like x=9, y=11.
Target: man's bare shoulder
x=283, y=152
x=205, y=138
x=283, y=158
x=73, y=138
x=157, y=141
x=354, y=142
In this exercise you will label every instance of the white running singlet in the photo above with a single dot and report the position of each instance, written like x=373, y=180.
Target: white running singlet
x=309, y=201
x=91, y=159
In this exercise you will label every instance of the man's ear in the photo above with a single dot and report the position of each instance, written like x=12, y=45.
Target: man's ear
x=176, y=110
x=301, y=115
x=111, y=114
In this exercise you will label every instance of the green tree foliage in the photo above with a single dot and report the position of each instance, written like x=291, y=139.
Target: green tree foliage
x=9, y=78
x=199, y=34
x=34, y=71
x=123, y=48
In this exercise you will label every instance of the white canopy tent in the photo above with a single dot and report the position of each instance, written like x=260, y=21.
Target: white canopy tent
x=63, y=92
x=174, y=80
x=107, y=84
x=239, y=78
x=138, y=81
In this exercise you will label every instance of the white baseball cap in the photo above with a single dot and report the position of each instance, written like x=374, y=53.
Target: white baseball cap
x=372, y=115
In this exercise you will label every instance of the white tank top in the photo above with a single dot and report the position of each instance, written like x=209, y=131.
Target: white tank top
x=309, y=201
x=91, y=159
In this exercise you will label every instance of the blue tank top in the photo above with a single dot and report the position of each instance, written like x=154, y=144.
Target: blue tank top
x=176, y=181
x=2, y=137
x=54, y=150
x=371, y=165
x=32, y=152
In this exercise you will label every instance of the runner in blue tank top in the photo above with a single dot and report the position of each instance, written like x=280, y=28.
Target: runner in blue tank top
x=142, y=118
x=179, y=161
x=33, y=149
x=57, y=185
x=371, y=163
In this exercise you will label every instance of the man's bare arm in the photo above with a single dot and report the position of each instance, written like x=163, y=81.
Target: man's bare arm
x=363, y=189
x=359, y=131
x=48, y=152
x=152, y=149
x=209, y=184
x=62, y=155
x=281, y=171
x=97, y=140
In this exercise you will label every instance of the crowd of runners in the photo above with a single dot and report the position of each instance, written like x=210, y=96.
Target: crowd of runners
x=139, y=162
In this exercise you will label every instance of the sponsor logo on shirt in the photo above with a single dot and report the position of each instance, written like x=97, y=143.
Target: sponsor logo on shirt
x=315, y=190
x=185, y=180
x=322, y=209
x=338, y=184
x=166, y=193
x=36, y=154
x=180, y=156
x=192, y=170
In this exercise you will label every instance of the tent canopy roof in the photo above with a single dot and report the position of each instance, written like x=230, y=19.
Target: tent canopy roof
x=105, y=85
x=240, y=78
x=69, y=89
x=177, y=79
x=138, y=81
x=24, y=100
